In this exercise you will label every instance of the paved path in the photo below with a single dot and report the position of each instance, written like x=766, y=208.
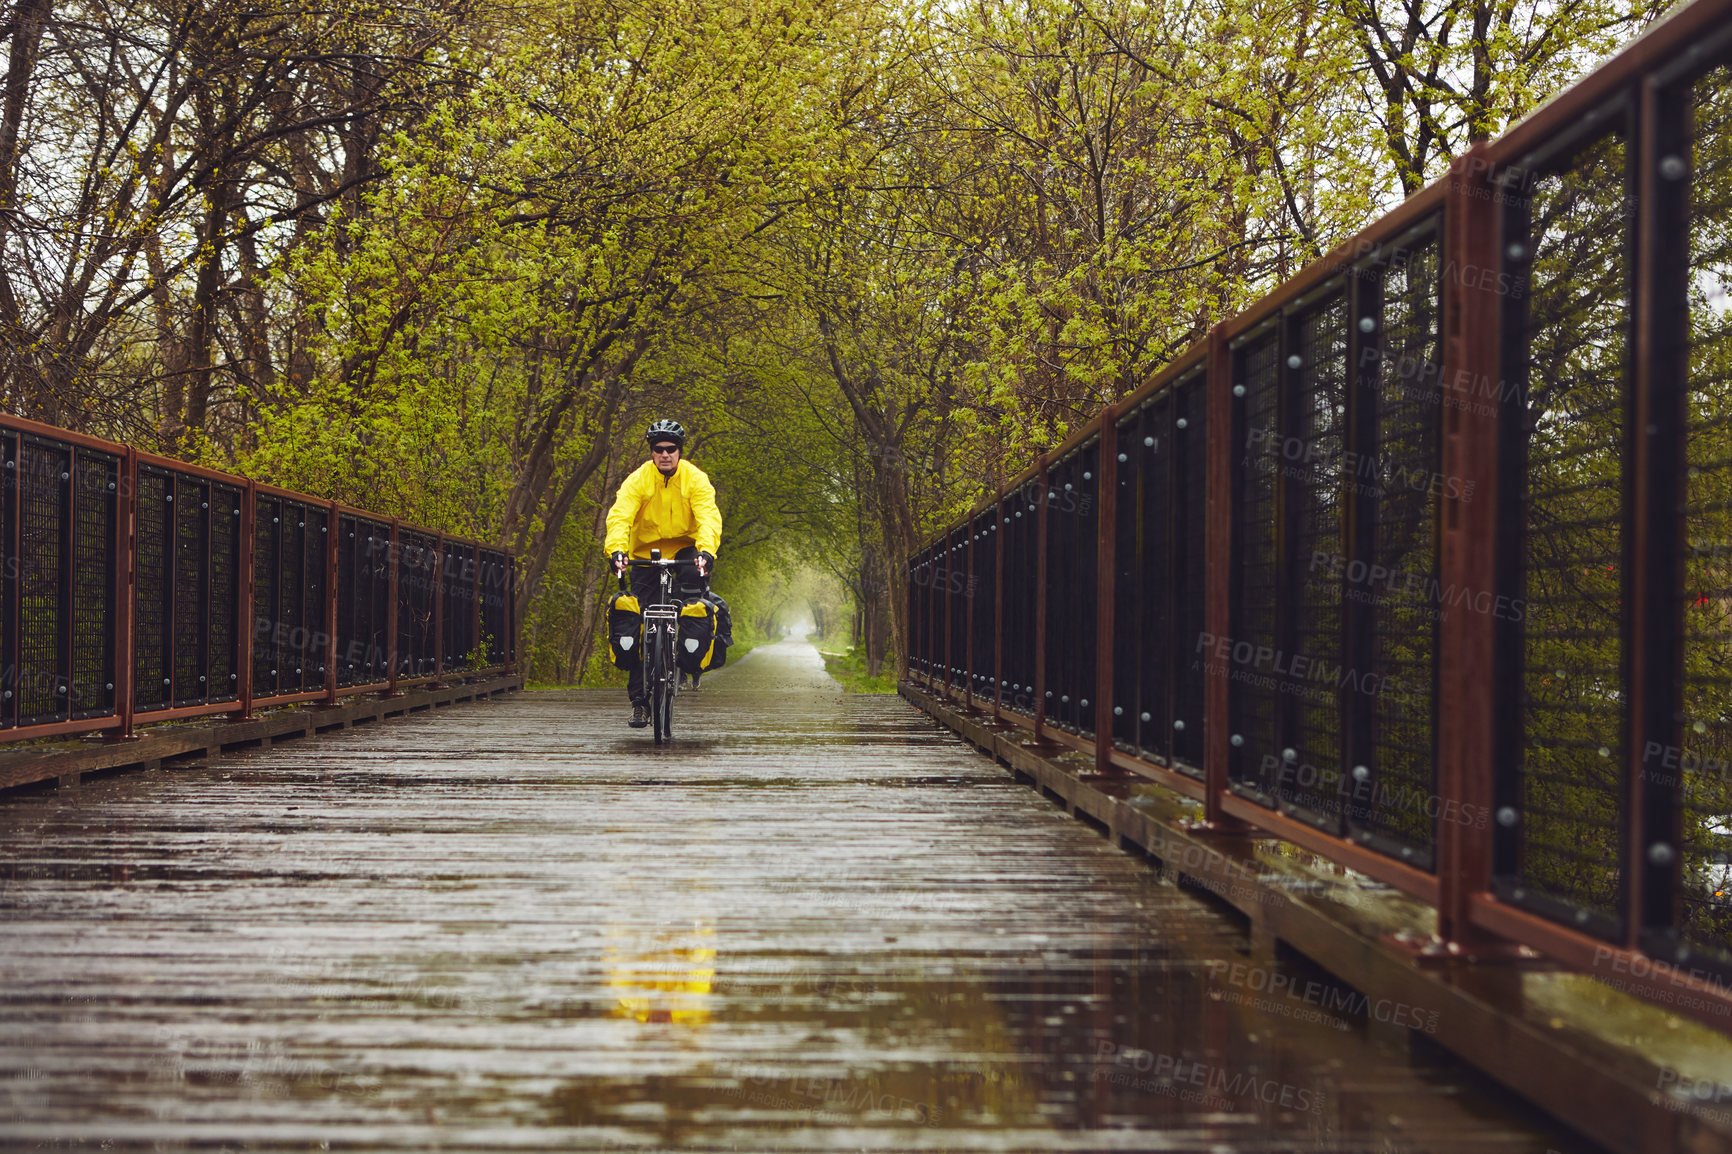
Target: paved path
x=815, y=922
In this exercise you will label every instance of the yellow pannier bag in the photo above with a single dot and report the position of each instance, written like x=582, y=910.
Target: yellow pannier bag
x=625, y=630
x=697, y=636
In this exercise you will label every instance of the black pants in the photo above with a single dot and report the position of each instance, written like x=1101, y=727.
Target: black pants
x=646, y=586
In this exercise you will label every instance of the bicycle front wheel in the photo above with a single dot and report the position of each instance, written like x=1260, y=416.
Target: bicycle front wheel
x=662, y=691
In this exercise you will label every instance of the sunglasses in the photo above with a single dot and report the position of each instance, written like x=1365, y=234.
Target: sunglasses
x=664, y=448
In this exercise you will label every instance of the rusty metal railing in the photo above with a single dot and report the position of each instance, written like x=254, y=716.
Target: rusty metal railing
x=137, y=588
x=1424, y=562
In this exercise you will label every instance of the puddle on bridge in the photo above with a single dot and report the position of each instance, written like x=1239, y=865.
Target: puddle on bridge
x=815, y=922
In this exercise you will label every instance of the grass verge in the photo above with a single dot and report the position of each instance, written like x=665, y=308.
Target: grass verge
x=850, y=669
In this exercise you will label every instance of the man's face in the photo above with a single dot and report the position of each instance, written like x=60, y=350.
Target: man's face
x=666, y=456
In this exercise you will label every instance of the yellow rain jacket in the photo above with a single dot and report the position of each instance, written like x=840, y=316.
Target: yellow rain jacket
x=666, y=513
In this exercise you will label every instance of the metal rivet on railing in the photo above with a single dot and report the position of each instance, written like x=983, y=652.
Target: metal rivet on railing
x=1295, y=361
x=1672, y=167
x=110, y=685
x=1582, y=917
x=66, y=476
x=1516, y=251
x=232, y=676
x=1507, y=816
x=1018, y=513
x=1236, y=740
x=1067, y=488
x=1238, y=390
x=237, y=512
x=1366, y=324
x=1290, y=755
x=1660, y=853
x=201, y=677
x=1604, y=752
x=1179, y=725
x=1118, y=711
x=1360, y=773
x=1049, y=694
x=170, y=498
x=1123, y=458
x=1406, y=851
x=60, y=689
x=111, y=486
x=165, y=681
x=1084, y=704
x=1146, y=717
x=1181, y=423
x=1148, y=442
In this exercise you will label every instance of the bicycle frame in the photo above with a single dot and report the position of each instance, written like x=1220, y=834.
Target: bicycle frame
x=661, y=636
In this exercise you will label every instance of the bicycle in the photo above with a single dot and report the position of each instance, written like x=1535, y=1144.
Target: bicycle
x=661, y=625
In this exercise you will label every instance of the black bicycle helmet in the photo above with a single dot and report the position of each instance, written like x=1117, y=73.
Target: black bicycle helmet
x=666, y=431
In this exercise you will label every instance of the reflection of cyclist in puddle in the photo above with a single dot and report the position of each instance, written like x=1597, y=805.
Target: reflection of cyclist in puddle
x=673, y=984
x=667, y=504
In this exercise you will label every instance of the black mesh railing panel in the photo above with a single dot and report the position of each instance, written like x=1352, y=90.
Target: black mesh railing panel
x=376, y=665
x=1702, y=758
x=493, y=605
x=984, y=538
x=1253, y=695
x=1154, y=641
x=1020, y=560
x=1190, y=569
x=1309, y=662
x=417, y=561
x=315, y=643
x=95, y=490
x=1072, y=592
x=45, y=582
x=347, y=648
x=268, y=626
x=1129, y=638
x=9, y=577
x=459, y=579
x=1569, y=487
x=959, y=594
x=191, y=606
x=153, y=593
x=295, y=618
x=1394, y=784
x=1061, y=597
x=225, y=592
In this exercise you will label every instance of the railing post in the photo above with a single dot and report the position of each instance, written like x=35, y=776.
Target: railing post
x=969, y=673
x=1218, y=550
x=949, y=553
x=393, y=561
x=331, y=596
x=1106, y=581
x=998, y=602
x=439, y=611
x=1466, y=752
x=126, y=568
x=475, y=604
x=1040, y=600
x=247, y=598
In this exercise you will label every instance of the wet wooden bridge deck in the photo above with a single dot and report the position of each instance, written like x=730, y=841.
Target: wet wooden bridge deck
x=815, y=922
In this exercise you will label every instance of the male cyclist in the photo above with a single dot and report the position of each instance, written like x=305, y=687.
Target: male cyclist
x=669, y=504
